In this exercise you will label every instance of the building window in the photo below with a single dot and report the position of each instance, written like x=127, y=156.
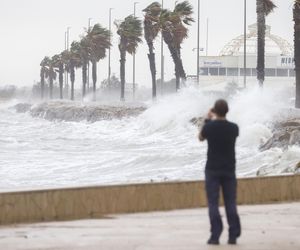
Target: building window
x=222, y=71
x=203, y=71
x=232, y=71
x=270, y=72
x=213, y=71
x=282, y=72
x=248, y=72
x=292, y=72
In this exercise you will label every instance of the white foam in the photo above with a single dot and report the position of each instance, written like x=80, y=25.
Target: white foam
x=160, y=144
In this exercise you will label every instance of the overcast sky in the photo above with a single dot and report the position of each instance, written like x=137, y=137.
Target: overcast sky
x=32, y=29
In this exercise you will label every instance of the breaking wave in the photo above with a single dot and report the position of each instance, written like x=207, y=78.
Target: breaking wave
x=151, y=142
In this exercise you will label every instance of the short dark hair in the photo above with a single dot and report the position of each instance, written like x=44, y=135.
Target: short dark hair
x=220, y=108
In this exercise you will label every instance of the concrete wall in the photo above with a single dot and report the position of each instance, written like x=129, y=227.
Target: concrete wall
x=96, y=202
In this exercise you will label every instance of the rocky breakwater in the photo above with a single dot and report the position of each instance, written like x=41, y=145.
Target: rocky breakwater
x=22, y=107
x=71, y=111
x=286, y=134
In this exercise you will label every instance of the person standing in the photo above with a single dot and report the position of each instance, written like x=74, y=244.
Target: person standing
x=220, y=171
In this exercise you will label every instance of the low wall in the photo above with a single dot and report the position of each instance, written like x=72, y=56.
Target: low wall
x=96, y=202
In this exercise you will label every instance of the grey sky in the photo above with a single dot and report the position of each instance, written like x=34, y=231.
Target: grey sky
x=32, y=29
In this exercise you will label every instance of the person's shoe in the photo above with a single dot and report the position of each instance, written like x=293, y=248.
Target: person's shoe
x=212, y=241
x=232, y=241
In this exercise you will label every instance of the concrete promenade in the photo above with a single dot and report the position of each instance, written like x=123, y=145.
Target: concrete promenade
x=265, y=227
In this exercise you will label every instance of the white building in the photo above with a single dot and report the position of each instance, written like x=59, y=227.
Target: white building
x=279, y=61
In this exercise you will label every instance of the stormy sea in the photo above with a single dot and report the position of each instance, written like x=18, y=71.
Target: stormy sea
x=56, y=143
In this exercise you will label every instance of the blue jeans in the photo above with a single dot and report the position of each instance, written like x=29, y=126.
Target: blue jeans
x=229, y=189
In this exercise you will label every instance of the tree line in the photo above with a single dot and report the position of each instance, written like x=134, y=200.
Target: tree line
x=173, y=26
x=94, y=43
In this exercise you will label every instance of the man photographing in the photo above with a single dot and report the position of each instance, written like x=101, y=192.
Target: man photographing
x=220, y=171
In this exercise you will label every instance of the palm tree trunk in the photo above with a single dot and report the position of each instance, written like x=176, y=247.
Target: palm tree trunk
x=72, y=77
x=180, y=65
x=51, y=78
x=297, y=50
x=261, y=32
x=61, y=80
x=84, y=78
x=151, y=57
x=177, y=82
x=297, y=104
x=122, y=73
x=176, y=61
x=94, y=76
x=42, y=83
x=51, y=86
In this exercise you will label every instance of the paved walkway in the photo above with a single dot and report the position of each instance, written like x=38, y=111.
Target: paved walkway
x=266, y=227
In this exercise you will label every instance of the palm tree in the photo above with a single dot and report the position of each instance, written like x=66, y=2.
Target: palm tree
x=59, y=62
x=297, y=49
x=174, y=31
x=51, y=76
x=80, y=49
x=263, y=9
x=98, y=40
x=44, y=74
x=130, y=32
x=72, y=61
x=151, y=30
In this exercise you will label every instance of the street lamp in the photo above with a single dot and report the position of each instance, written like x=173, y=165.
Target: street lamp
x=65, y=73
x=198, y=49
x=245, y=41
x=89, y=22
x=109, y=50
x=198, y=43
x=162, y=57
x=67, y=37
x=88, y=65
x=133, y=66
x=207, y=36
x=65, y=40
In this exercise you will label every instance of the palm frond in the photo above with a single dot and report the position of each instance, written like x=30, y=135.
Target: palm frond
x=45, y=61
x=153, y=9
x=184, y=8
x=268, y=6
x=151, y=21
x=173, y=23
x=130, y=32
x=96, y=41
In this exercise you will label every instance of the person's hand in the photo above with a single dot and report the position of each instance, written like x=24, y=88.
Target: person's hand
x=210, y=115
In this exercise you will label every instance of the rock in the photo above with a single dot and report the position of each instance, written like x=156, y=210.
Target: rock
x=295, y=137
x=297, y=168
x=69, y=111
x=197, y=121
x=285, y=134
x=22, y=107
x=279, y=139
x=294, y=123
x=265, y=169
